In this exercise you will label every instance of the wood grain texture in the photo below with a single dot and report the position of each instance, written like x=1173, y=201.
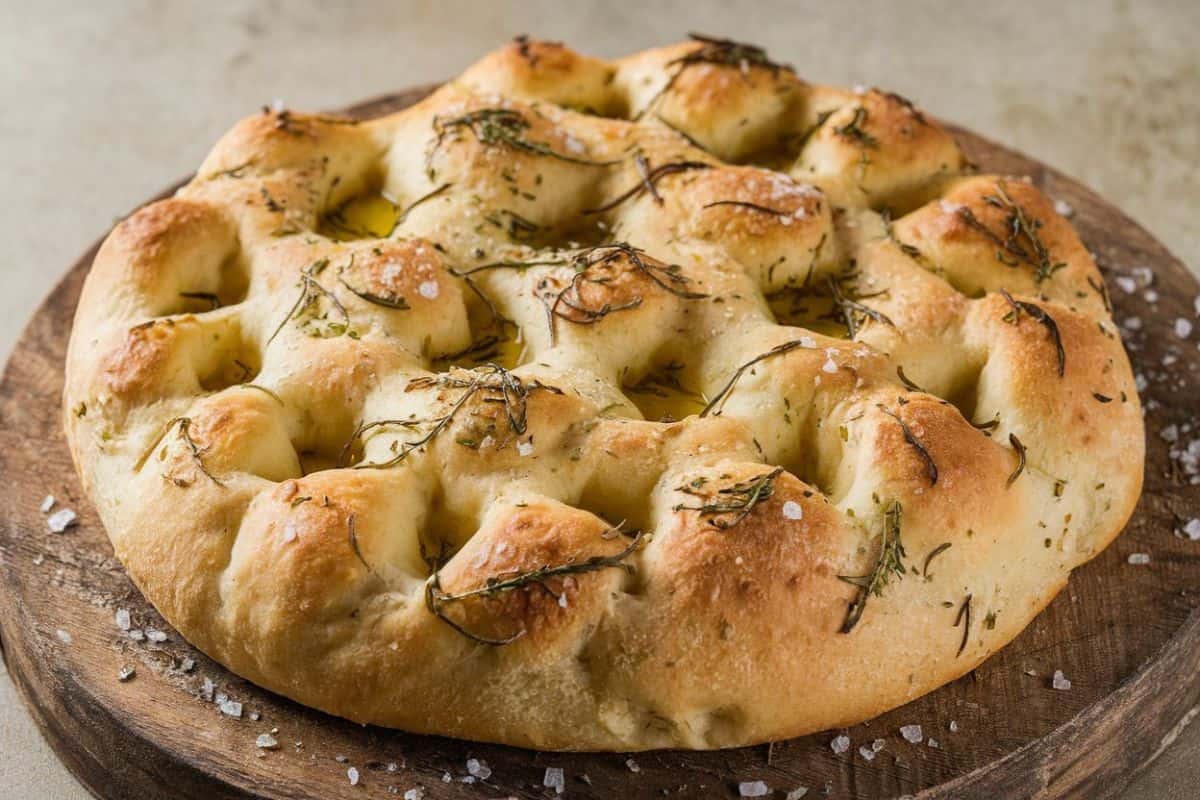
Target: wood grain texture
x=1127, y=636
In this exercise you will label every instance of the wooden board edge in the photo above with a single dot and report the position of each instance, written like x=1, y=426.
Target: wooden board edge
x=1082, y=758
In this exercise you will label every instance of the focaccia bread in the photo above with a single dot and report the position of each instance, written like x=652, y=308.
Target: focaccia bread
x=663, y=402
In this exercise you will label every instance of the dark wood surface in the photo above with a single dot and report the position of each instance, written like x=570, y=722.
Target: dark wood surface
x=1127, y=636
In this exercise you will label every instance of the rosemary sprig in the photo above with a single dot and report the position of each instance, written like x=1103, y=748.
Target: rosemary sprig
x=908, y=384
x=854, y=131
x=889, y=562
x=491, y=382
x=648, y=181
x=964, y=613
x=595, y=266
x=850, y=312
x=354, y=545
x=719, y=52
x=1021, y=240
x=737, y=500
x=184, y=427
x=1039, y=314
x=392, y=301
x=751, y=206
x=599, y=266
x=1020, y=448
x=264, y=390
x=682, y=133
x=311, y=295
x=237, y=171
x=422, y=199
x=503, y=127
x=934, y=553
x=986, y=427
x=1102, y=290
x=436, y=600
x=930, y=465
x=336, y=219
x=720, y=397
x=513, y=224
x=213, y=301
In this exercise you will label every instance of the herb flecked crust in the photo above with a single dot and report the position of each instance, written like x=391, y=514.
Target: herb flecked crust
x=670, y=401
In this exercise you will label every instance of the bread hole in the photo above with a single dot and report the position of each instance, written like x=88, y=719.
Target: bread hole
x=235, y=360
x=964, y=395
x=205, y=291
x=446, y=529
x=578, y=231
x=360, y=208
x=333, y=448
x=498, y=343
x=818, y=470
x=808, y=308
x=665, y=394
x=720, y=727
x=834, y=305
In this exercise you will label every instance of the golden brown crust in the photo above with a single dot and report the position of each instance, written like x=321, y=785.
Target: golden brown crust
x=522, y=415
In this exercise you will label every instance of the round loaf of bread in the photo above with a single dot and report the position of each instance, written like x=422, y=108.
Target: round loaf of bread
x=669, y=401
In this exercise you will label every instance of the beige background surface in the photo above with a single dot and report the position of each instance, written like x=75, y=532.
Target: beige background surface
x=104, y=104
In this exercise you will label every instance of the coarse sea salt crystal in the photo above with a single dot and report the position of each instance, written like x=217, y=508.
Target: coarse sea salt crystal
x=478, y=769
x=797, y=793
x=554, y=779
x=289, y=533
x=230, y=708
x=1139, y=558
x=1063, y=209
x=416, y=793
x=524, y=448
x=352, y=776
x=953, y=726
x=793, y=510
x=60, y=520
x=1126, y=284
x=1060, y=681
x=912, y=733
x=47, y=504
x=126, y=674
x=63, y=636
x=428, y=290
x=122, y=619
x=155, y=635
x=266, y=741
x=933, y=743
x=866, y=753
x=753, y=789
x=830, y=366
x=1183, y=328
x=1191, y=529
x=840, y=744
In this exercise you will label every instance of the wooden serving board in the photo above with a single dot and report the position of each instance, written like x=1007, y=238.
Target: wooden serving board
x=1126, y=635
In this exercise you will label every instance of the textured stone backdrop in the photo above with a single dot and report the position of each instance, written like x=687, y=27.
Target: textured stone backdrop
x=102, y=104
